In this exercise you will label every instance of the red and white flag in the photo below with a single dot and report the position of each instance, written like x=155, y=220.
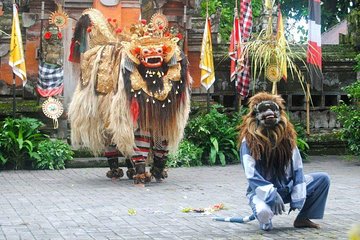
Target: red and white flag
x=245, y=19
x=245, y=27
x=314, y=53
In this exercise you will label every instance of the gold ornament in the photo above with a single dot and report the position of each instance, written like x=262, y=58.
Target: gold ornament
x=137, y=82
x=273, y=73
x=59, y=18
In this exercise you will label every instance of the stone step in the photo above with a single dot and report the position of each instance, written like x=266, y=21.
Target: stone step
x=92, y=162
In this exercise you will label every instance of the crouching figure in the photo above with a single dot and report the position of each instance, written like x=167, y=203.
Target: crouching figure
x=133, y=96
x=273, y=166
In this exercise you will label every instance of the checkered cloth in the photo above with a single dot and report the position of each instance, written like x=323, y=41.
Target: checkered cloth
x=245, y=19
x=244, y=79
x=50, y=80
x=246, y=28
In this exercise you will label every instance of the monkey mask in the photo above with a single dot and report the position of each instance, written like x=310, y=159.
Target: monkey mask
x=267, y=114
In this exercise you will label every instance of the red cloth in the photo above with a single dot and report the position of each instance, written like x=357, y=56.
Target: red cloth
x=314, y=53
x=235, y=51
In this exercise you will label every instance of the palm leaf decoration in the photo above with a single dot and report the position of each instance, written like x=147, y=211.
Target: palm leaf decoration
x=271, y=49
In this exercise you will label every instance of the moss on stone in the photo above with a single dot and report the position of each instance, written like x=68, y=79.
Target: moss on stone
x=6, y=107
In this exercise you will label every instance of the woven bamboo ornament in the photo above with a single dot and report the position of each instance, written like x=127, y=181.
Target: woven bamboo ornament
x=53, y=109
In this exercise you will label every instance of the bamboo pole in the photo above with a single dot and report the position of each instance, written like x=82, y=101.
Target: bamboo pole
x=308, y=108
x=185, y=47
x=14, y=76
x=240, y=104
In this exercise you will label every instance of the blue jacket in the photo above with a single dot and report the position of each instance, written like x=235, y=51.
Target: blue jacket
x=292, y=189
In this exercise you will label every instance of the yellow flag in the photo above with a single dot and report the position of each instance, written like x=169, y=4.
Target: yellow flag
x=206, y=58
x=17, y=58
x=280, y=37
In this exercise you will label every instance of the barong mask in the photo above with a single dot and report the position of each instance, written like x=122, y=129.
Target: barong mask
x=156, y=57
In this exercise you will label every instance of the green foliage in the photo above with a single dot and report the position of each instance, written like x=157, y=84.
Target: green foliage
x=301, y=140
x=227, y=14
x=52, y=154
x=216, y=134
x=188, y=155
x=332, y=12
x=353, y=91
x=357, y=59
x=18, y=141
x=349, y=117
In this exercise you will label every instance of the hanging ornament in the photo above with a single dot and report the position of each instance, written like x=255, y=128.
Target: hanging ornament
x=59, y=18
x=273, y=73
x=53, y=109
x=159, y=22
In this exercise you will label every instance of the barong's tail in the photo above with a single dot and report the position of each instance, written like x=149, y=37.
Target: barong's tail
x=235, y=219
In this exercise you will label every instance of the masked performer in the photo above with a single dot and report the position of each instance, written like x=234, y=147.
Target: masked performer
x=133, y=97
x=273, y=166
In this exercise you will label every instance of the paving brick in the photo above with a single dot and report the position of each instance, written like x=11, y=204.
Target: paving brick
x=81, y=203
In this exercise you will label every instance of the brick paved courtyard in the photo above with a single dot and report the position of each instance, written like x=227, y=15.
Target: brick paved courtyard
x=84, y=204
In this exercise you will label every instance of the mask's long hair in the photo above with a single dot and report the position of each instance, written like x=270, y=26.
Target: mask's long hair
x=272, y=146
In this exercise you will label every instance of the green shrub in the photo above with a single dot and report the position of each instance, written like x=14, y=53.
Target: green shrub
x=349, y=117
x=216, y=134
x=301, y=140
x=357, y=66
x=52, y=154
x=18, y=141
x=188, y=155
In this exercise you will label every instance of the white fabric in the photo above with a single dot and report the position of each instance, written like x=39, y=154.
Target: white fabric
x=263, y=211
x=314, y=32
x=249, y=165
x=297, y=160
x=263, y=192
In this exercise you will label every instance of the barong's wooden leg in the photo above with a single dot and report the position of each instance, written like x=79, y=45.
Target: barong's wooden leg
x=115, y=171
x=158, y=170
x=141, y=175
x=131, y=170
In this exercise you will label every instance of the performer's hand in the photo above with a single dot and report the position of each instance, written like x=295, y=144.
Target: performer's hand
x=278, y=206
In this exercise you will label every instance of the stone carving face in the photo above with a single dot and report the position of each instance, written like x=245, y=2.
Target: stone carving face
x=52, y=45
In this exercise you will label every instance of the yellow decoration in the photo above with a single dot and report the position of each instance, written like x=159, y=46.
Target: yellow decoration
x=17, y=57
x=273, y=73
x=206, y=58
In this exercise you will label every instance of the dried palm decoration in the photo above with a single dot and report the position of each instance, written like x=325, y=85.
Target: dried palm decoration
x=270, y=52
